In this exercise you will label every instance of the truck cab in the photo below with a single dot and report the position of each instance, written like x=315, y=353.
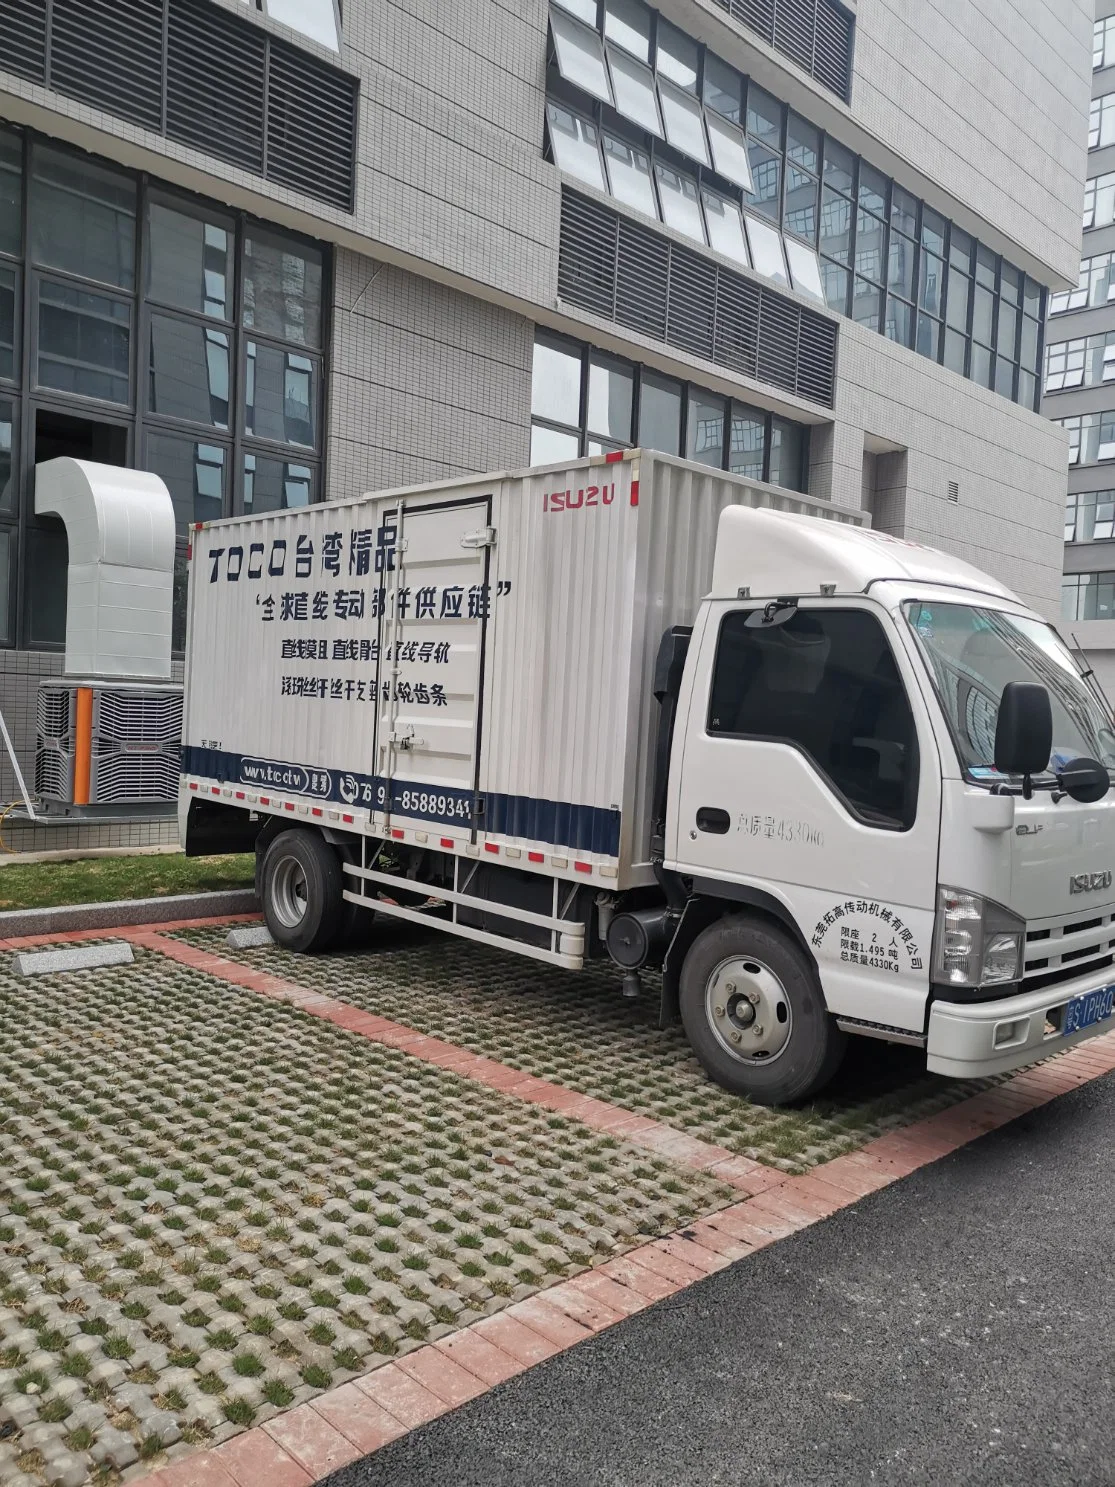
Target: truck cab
x=895, y=774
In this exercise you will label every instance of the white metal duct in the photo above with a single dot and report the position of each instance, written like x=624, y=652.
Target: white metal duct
x=120, y=526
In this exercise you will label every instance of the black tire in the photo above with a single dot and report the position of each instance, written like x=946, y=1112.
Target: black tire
x=357, y=923
x=728, y=966
x=300, y=890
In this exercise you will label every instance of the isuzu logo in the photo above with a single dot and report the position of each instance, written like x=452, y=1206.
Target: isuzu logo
x=1089, y=882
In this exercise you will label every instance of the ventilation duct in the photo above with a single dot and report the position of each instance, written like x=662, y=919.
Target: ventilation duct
x=120, y=527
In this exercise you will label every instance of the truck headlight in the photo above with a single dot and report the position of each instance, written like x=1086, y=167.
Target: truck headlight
x=976, y=942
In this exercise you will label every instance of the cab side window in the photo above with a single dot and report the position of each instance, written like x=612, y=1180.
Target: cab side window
x=825, y=681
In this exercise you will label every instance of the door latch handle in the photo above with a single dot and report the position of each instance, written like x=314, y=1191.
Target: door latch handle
x=712, y=818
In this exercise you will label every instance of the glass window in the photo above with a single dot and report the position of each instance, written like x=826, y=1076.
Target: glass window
x=986, y=265
x=870, y=236
x=933, y=231
x=684, y=122
x=1004, y=377
x=275, y=485
x=575, y=145
x=956, y=351
x=1007, y=334
x=729, y=152
x=8, y=282
x=1103, y=43
x=705, y=429
x=899, y=321
x=1029, y=357
x=723, y=88
x=837, y=282
x=803, y=144
x=825, y=683
x=840, y=167
x=282, y=288
x=47, y=556
x=556, y=382
x=932, y=278
x=1101, y=128
x=659, y=413
x=900, y=265
x=629, y=174
x=747, y=441
x=7, y=467
x=189, y=371
x=634, y=89
x=764, y=117
x=611, y=385
x=194, y=474
x=189, y=265
x=903, y=211
x=552, y=446
x=677, y=56
x=928, y=337
x=83, y=218
x=982, y=311
x=84, y=342
x=1027, y=389
x=805, y=270
x=766, y=173
x=800, y=215
x=957, y=309
x=313, y=18
x=872, y=189
x=867, y=303
x=681, y=209
x=627, y=23
x=766, y=251
x=960, y=250
x=836, y=226
x=788, y=442
x=580, y=55
x=280, y=396
x=1031, y=297
x=11, y=193
x=980, y=366
x=7, y=545
x=584, y=10
x=725, y=227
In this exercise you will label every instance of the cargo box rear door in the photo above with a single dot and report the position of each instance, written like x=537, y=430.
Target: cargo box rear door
x=432, y=662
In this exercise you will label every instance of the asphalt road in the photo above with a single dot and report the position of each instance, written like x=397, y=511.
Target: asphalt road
x=957, y=1328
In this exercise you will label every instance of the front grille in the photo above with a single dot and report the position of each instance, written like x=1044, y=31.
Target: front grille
x=1064, y=951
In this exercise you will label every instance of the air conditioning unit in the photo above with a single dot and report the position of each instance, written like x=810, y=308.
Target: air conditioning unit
x=107, y=744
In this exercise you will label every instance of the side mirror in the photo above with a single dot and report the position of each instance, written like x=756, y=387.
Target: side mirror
x=1085, y=780
x=1024, y=732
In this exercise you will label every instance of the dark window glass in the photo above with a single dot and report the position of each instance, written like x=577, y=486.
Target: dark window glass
x=1029, y=344
x=803, y=144
x=276, y=485
x=704, y=429
x=659, y=414
x=189, y=264
x=1032, y=299
x=723, y=89
x=932, y=278
x=11, y=193
x=1010, y=284
x=628, y=23
x=801, y=203
x=1027, y=389
x=82, y=218
x=840, y=167
x=195, y=474
x=872, y=189
x=903, y=211
x=282, y=288
x=47, y=562
x=84, y=342
x=933, y=231
x=824, y=682
x=747, y=442
x=900, y=265
x=280, y=396
x=1004, y=377
x=960, y=249
x=766, y=173
x=8, y=282
x=986, y=264
x=1008, y=330
x=981, y=365
x=899, y=324
x=983, y=308
x=836, y=226
x=179, y=591
x=959, y=288
x=955, y=350
x=7, y=432
x=929, y=337
x=764, y=117
x=610, y=390
x=836, y=281
x=787, y=454
x=189, y=371
x=867, y=303
x=869, y=247
x=677, y=56
x=7, y=550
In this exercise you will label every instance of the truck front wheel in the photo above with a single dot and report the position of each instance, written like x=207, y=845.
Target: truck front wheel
x=300, y=889
x=754, y=1014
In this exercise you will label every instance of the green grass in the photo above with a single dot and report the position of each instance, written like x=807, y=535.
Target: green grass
x=47, y=885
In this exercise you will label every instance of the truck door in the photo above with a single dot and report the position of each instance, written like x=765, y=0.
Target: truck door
x=808, y=775
x=432, y=634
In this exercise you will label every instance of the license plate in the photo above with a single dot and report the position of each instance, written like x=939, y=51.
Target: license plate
x=1088, y=1008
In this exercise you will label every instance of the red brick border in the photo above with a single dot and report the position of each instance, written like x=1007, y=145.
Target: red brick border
x=343, y=1424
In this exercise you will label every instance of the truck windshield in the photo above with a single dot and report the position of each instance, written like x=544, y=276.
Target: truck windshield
x=972, y=653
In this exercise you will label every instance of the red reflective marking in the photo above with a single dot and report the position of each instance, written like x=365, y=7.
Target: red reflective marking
x=240, y=795
x=349, y=819
x=193, y=787
x=189, y=551
x=264, y=800
x=216, y=789
x=315, y=810
x=583, y=867
x=634, y=493
x=398, y=835
x=288, y=806
x=491, y=846
x=613, y=456
x=536, y=857
x=447, y=841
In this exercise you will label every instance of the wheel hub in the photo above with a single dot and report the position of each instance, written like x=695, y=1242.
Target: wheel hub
x=748, y=1010
x=288, y=892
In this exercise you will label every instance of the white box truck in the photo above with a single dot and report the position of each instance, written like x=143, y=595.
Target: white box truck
x=827, y=781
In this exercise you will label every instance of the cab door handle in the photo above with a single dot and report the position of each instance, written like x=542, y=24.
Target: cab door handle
x=712, y=818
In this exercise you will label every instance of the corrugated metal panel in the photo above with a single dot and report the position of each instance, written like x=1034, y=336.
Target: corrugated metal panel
x=644, y=280
x=110, y=56
x=23, y=38
x=311, y=125
x=215, y=83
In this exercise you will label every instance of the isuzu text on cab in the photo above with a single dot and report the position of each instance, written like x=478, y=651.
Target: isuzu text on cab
x=826, y=781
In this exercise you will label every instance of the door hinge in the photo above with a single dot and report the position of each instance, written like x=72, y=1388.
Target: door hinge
x=486, y=537
x=405, y=739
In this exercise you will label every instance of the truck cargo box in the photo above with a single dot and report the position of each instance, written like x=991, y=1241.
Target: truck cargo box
x=468, y=664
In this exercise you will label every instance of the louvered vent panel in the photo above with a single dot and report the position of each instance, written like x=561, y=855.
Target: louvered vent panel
x=587, y=255
x=133, y=777
x=832, y=54
x=54, y=774
x=23, y=38
x=53, y=713
x=642, y=280
x=692, y=302
x=793, y=31
x=779, y=321
x=127, y=717
x=311, y=126
x=817, y=359
x=737, y=323
x=215, y=83
x=758, y=14
x=110, y=56
x=816, y=34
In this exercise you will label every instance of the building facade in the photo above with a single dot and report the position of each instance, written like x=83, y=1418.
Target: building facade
x=1080, y=381
x=276, y=252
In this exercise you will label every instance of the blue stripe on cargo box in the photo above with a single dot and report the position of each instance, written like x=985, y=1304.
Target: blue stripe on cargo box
x=582, y=828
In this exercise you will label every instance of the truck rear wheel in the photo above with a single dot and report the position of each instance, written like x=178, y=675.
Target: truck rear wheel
x=754, y=1014
x=300, y=890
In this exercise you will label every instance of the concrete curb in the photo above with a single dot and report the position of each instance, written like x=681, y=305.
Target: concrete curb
x=127, y=911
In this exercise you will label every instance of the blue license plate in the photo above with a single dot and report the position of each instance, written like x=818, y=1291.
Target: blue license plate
x=1087, y=1009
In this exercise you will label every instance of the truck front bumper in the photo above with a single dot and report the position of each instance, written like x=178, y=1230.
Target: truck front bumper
x=972, y=1039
